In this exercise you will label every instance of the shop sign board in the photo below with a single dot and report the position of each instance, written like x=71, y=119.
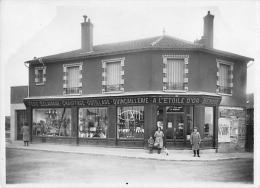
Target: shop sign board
x=127, y=100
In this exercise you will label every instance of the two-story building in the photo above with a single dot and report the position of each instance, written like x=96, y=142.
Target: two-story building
x=117, y=94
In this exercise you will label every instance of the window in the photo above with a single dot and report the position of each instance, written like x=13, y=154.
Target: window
x=52, y=122
x=130, y=122
x=113, y=75
x=72, y=79
x=175, y=72
x=93, y=122
x=224, y=77
x=40, y=75
x=208, y=125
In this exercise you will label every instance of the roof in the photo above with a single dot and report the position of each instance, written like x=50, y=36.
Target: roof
x=153, y=43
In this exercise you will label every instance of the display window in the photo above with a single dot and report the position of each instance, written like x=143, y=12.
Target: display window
x=130, y=122
x=52, y=122
x=93, y=123
x=208, y=124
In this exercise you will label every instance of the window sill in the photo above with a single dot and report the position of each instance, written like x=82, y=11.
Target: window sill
x=111, y=92
x=39, y=84
x=175, y=91
x=72, y=94
x=225, y=94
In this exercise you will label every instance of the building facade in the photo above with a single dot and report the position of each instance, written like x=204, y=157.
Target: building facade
x=119, y=93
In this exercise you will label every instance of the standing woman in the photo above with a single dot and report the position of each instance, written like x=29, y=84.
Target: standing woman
x=195, y=141
x=26, y=135
x=159, y=139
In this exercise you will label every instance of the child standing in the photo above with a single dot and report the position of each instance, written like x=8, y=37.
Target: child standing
x=150, y=144
x=195, y=141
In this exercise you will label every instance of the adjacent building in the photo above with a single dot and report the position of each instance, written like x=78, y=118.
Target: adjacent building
x=18, y=111
x=117, y=94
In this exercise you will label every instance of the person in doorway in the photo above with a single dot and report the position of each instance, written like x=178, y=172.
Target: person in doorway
x=150, y=144
x=26, y=136
x=159, y=139
x=195, y=141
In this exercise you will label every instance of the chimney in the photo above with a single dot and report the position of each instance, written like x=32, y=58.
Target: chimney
x=207, y=38
x=86, y=35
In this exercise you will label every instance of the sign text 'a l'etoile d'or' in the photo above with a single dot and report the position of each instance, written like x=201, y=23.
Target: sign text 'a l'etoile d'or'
x=183, y=100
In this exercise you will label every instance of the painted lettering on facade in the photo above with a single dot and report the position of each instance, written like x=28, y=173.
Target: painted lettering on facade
x=179, y=100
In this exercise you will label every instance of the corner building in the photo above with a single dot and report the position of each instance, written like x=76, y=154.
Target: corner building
x=117, y=94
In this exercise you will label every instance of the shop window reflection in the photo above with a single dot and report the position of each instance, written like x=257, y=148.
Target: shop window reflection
x=93, y=122
x=130, y=122
x=52, y=122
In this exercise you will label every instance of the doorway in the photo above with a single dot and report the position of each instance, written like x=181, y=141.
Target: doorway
x=175, y=125
x=21, y=118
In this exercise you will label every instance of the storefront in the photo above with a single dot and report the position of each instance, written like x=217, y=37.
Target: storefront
x=124, y=120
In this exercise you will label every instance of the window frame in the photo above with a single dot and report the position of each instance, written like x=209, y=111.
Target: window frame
x=185, y=59
x=104, y=74
x=231, y=65
x=36, y=73
x=65, y=77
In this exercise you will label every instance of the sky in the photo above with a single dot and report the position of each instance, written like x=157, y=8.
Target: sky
x=39, y=28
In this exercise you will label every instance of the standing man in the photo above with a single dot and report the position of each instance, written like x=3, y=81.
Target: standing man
x=195, y=141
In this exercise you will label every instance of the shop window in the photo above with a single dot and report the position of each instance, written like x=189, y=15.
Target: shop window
x=52, y=122
x=175, y=72
x=93, y=122
x=72, y=78
x=189, y=120
x=40, y=75
x=224, y=77
x=113, y=75
x=208, y=125
x=130, y=122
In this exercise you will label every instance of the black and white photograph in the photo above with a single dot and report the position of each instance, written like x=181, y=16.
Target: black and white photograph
x=129, y=93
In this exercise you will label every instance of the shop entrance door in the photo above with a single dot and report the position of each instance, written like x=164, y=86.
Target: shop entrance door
x=175, y=125
x=21, y=118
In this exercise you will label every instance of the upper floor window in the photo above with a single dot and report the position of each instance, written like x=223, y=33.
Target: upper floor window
x=113, y=75
x=224, y=77
x=175, y=72
x=72, y=78
x=40, y=75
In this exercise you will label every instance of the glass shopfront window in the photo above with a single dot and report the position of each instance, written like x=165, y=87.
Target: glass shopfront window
x=189, y=120
x=52, y=122
x=130, y=122
x=93, y=122
x=208, y=123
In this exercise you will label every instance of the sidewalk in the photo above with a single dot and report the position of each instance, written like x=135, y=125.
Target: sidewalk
x=174, y=155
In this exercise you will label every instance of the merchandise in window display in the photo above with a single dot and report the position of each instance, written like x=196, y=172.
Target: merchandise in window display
x=52, y=122
x=130, y=122
x=92, y=122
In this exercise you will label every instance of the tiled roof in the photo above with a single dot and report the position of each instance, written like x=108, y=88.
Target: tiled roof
x=153, y=43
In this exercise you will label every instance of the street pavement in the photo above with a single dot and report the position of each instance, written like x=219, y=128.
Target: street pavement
x=39, y=167
x=174, y=155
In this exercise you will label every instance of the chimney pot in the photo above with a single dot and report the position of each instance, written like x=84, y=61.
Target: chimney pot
x=85, y=17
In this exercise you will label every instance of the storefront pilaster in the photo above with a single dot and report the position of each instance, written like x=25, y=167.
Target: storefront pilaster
x=75, y=121
x=149, y=121
x=215, y=134
x=30, y=124
x=112, y=114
